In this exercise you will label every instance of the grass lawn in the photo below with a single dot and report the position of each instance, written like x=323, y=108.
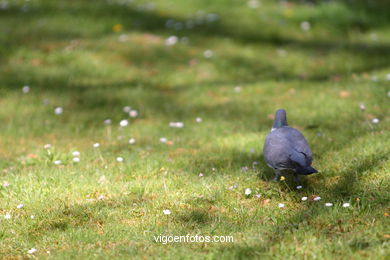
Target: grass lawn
x=221, y=68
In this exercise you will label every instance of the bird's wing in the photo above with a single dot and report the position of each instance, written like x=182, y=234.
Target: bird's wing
x=301, y=150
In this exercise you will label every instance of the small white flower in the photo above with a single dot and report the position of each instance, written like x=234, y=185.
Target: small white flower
x=346, y=205
x=32, y=216
x=58, y=110
x=388, y=94
x=119, y=159
x=131, y=141
x=107, y=122
x=133, y=113
x=47, y=146
x=253, y=3
x=304, y=198
x=126, y=109
x=166, y=212
x=281, y=52
x=362, y=107
x=231, y=188
x=305, y=26
x=248, y=191
x=299, y=187
x=57, y=162
x=208, y=54
x=328, y=204
x=163, y=140
x=375, y=121
x=388, y=76
x=258, y=195
x=19, y=206
x=76, y=153
x=171, y=40
x=122, y=38
x=200, y=174
x=317, y=198
x=26, y=89
x=123, y=123
x=6, y=184
x=101, y=197
x=237, y=89
x=76, y=159
x=281, y=205
x=32, y=251
x=7, y=216
x=176, y=124
x=96, y=145
x=198, y=119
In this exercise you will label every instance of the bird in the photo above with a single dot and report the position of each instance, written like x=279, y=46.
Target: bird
x=286, y=149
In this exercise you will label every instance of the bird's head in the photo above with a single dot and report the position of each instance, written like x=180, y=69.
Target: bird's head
x=280, y=119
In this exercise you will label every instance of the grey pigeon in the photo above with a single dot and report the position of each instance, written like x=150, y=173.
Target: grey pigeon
x=285, y=148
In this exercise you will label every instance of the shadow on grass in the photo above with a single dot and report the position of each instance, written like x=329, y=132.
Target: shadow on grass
x=347, y=188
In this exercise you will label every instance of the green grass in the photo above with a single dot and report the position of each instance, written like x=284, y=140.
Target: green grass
x=70, y=56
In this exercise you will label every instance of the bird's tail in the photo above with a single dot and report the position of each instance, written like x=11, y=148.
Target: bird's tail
x=306, y=170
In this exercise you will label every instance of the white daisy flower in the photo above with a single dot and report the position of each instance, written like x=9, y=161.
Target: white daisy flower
x=253, y=3
x=317, y=198
x=133, y=113
x=107, y=122
x=305, y=26
x=122, y=38
x=375, y=121
x=176, y=124
x=19, y=206
x=6, y=184
x=200, y=174
x=26, y=89
x=101, y=197
x=346, y=205
x=198, y=119
x=76, y=153
x=166, y=212
x=47, y=146
x=299, y=187
x=123, y=123
x=163, y=140
x=76, y=159
x=171, y=40
x=304, y=198
x=208, y=54
x=131, y=141
x=248, y=191
x=32, y=216
x=126, y=109
x=388, y=77
x=96, y=145
x=237, y=89
x=281, y=205
x=119, y=159
x=32, y=251
x=57, y=162
x=7, y=216
x=328, y=204
x=58, y=110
